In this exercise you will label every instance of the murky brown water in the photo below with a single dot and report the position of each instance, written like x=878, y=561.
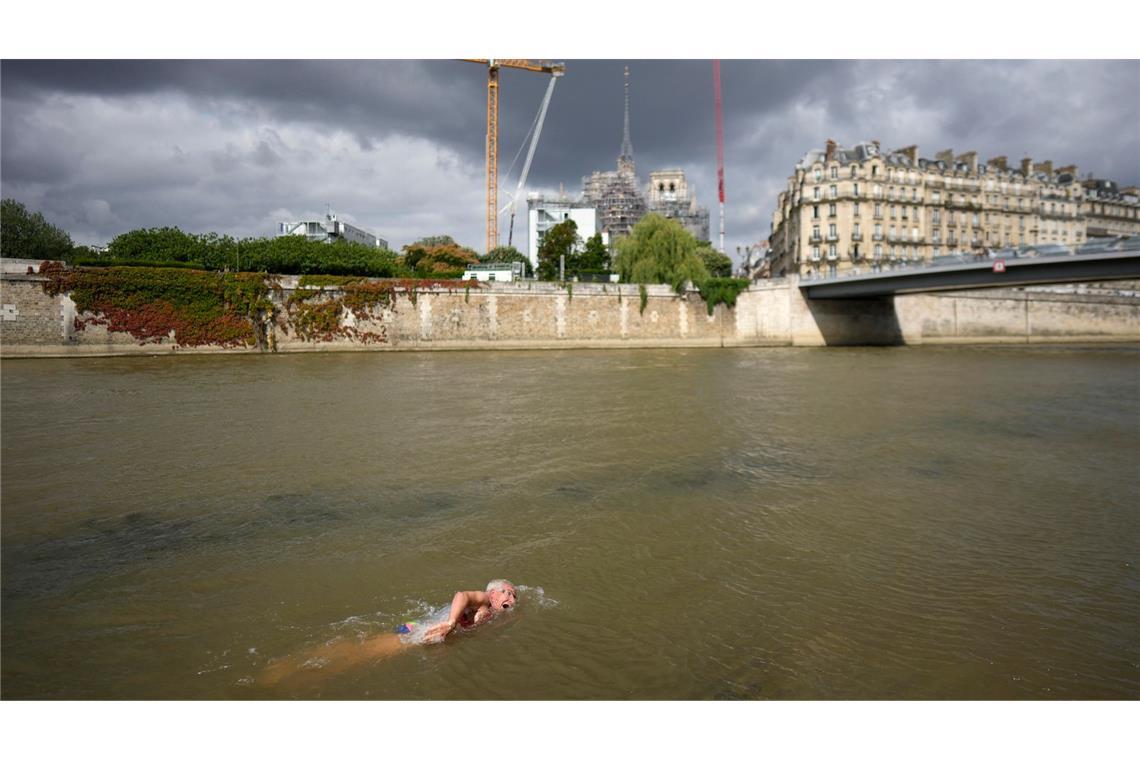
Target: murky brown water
x=896, y=523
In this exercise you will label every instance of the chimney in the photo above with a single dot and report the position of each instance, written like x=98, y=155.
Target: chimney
x=945, y=155
x=876, y=144
x=911, y=152
x=1044, y=166
x=1026, y=166
x=831, y=146
x=971, y=159
x=999, y=162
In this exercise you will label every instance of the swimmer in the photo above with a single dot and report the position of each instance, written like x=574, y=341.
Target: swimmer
x=468, y=610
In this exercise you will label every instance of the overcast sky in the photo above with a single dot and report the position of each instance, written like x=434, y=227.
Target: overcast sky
x=397, y=146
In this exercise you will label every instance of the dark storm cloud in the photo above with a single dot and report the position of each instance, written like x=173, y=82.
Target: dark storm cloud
x=105, y=146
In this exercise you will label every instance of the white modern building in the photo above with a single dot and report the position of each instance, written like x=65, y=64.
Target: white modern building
x=497, y=272
x=543, y=213
x=329, y=230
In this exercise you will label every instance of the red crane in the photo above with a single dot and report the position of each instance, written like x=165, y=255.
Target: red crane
x=719, y=147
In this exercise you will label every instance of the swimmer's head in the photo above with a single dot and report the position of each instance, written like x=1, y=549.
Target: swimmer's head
x=502, y=595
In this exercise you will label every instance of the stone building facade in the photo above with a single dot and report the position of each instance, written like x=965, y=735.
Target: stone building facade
x=862, y=208
x=1109, y=210
x=671, y=196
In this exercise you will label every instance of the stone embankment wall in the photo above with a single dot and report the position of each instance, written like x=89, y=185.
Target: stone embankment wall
x=546, y=315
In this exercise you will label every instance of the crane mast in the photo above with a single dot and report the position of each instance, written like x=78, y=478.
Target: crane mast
x=493, y=65
x=719, y=147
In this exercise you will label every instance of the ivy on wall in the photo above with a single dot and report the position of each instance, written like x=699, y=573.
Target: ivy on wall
x=198, y=308
x=194, y=307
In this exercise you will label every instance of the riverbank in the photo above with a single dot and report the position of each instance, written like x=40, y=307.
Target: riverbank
x=293, y=316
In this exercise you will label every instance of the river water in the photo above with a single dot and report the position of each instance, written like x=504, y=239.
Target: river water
x=686, y=524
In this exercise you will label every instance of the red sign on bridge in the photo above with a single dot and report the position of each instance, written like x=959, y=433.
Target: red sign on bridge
x=999, y=266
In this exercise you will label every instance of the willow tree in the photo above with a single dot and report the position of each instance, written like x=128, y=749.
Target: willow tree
x=659, y=250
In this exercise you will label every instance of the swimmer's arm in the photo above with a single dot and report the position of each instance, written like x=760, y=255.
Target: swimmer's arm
x=460, y=603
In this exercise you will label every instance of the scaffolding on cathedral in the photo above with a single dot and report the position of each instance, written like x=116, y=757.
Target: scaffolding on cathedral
x=615, y=194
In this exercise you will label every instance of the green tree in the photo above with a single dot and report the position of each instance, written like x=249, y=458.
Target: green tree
x=659, y=250
x=716, y=262
x=596, y=257
x=506, y=254
x=30, y=236
x=560, y=240
x=157, y=244
x=447, y=259
x=433, y=240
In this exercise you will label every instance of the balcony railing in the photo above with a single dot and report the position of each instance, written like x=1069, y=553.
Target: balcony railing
x=832, y=256
x=832, y=237
x=877, y=236
x=856, y=235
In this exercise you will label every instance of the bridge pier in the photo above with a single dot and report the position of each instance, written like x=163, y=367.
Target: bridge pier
x=842, y=322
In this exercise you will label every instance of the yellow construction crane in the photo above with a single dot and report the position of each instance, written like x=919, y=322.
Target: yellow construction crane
x=493, y=65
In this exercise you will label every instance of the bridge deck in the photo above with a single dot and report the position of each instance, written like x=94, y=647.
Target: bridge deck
x=1018, y=272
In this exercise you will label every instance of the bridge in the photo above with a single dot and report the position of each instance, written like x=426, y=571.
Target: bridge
x=987, y=273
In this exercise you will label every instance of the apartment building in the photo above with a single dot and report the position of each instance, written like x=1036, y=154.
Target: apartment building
x=862, y=208
x=1110, y=210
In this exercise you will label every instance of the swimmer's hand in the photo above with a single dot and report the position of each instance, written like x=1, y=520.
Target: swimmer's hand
x=438, y=633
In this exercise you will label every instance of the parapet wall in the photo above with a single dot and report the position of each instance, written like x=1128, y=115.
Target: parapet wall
x=587, y=315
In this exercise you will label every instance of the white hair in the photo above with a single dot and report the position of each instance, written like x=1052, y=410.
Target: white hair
x=499, y=584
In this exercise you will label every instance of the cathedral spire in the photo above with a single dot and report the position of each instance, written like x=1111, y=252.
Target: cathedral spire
x=625, y=160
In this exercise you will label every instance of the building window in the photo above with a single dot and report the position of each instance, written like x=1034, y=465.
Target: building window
x=854, y=172
x=831, y=233
x=818, y=174
x=835, y=172
x=878, y=250
x=815, y=193
x=856, y=209
x=815, y=212
x=833, y=191
x=878, y=211
x=936, y=196
x=874, y=170
x=857, y=230
x=815, y=232
x=815, y=253
x=894, y=212
x=914, y=193
x=831, y=254
x=831, y=209
x=855, y=190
